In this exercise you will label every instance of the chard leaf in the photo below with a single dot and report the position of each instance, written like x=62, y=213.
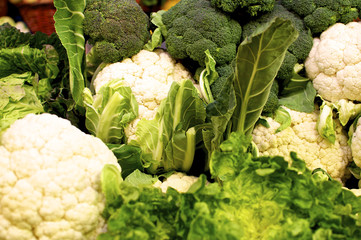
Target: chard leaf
x=258, y=60
x=69, y=18
x=110, y=111
x=168, y=141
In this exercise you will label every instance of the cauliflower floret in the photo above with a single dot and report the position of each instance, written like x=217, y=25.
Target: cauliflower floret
x=150, y=76
x=50, y=180
x=178, y=180
x=334, y=62
x=303, y=138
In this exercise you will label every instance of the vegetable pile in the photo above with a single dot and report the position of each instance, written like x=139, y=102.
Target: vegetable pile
x=210, y=119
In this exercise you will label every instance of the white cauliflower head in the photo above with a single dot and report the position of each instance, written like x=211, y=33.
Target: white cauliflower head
x=334, y=62
x=50, y=180
x=303, y=138
x=150, y=76
x=178, y=180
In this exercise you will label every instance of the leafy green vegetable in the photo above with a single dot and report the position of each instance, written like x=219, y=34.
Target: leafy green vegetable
x=168, y=141
x=298, y=94
x=110, y=179
x=258, y=198
x=258, y=59
x=129, y=157
x=138, y=178
x=207, y=77
x=109, y=111
x=283, y=117
x=17, y=98
x=68, y=18
x=325, y=124
x=26, y=59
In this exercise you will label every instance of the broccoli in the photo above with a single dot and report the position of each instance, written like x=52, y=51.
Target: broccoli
x=193, y=26
x=272, y=103
x=318, y=15
x=116, y=28
x=252, y=7
x=298, y=50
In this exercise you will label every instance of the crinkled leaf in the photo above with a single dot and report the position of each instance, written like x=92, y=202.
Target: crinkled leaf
x=43, y=62
x=17, y=98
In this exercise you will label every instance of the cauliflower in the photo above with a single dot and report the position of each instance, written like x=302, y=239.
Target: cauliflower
x=303, y=138
x=334, y=62
x=149, y=75
x=178, y=180
x=50, y=180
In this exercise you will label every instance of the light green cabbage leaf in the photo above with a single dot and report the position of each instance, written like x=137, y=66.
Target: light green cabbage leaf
x=169, y=140
x=109, y=111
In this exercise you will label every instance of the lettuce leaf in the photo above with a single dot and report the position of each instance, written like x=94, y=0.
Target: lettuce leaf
x=17, y=98
x=258, y=198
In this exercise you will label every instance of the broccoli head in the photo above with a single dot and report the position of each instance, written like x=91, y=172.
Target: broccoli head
x=297, y=51
x=194, y=26
x=252, y=7
x=318, y=15
x=116, y=28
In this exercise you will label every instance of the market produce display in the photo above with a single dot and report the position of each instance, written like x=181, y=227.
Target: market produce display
x=205, y=119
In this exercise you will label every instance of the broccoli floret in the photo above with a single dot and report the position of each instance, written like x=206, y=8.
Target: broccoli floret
x=320, y=19
x=117, y=28
x=194, y=26
x=252, y=7
x=318, y=15
x=298, y=50
x=272, y=102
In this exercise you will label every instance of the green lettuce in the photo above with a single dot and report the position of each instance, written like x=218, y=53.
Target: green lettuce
x=17, y=98
x=257, y=198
